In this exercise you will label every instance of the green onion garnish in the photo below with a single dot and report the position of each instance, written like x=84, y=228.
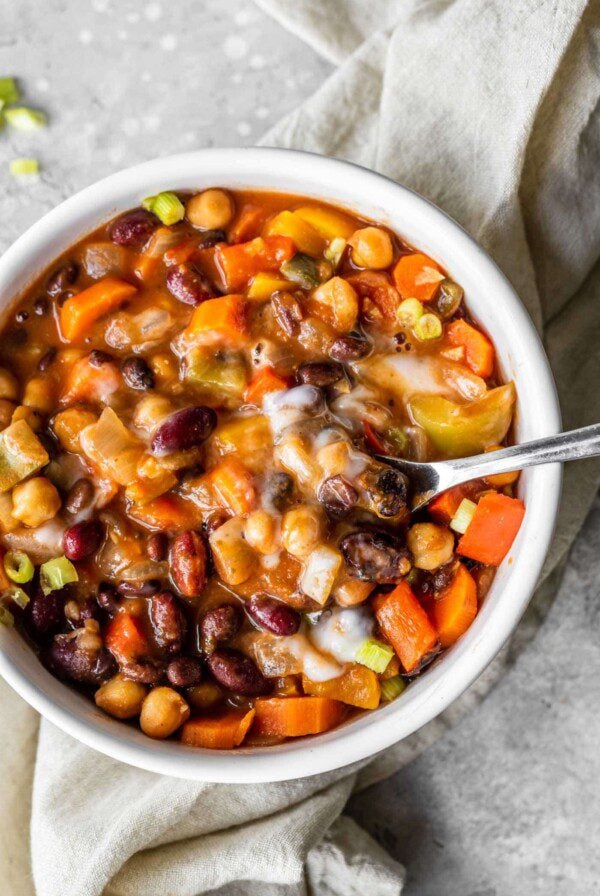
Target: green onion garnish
x=9, y=92
x=374, y=654
x=392, y=688
x=18, y=567
x=464, y=514
x=20, y=167
x=18, y=596
x=335, y=250
x=429, y=326
x=167, y=207
x=409, y=312
x=57, y=573
x=21, y=118
x=6, y=617
x=398, y=438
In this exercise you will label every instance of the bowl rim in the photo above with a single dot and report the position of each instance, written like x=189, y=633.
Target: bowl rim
x=369, y=733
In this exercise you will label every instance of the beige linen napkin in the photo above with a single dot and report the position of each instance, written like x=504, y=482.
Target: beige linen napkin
x=491, y=110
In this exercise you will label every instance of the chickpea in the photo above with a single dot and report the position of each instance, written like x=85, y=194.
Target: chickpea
x=302, y=530
x=151, y=411
x=30, y=415
x=38, y=394
x=341, y=298
x=210, y=210
x=351, y=592
x=120, y=697
x=205, y=695
x=163, y=711
x=372, y=248
x=261, y=532
x=430, y=545
x=9, y=387
x=165, y=369
x=7, y=409
x=67, y=426
x=35, y=501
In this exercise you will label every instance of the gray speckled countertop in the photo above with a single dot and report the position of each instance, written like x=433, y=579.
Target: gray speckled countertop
x=506, y=804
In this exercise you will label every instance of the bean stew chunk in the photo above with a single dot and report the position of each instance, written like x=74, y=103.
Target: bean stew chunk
x=195, y=530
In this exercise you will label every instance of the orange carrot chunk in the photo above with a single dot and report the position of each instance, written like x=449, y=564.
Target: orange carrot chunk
x=267, y=380
x=296, y=716
x=222, y=732
x=233, y=485
x=82, y=310
x=248, y=224
x=455, y=607
x=357, y=686
x=376, y=286
x=493, y=529
x=240, y=262
x=219, y=320
x=444, y=507
x=479, y=351
x=125, y=638
x=168, y=513
x=417, y=277
x=406, y=625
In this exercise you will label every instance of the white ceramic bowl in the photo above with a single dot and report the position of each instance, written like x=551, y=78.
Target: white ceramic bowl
x=492, y=301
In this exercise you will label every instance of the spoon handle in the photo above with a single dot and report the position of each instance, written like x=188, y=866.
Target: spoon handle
x=563, y=446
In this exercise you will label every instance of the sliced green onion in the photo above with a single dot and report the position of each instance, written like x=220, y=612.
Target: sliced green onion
x=429, y=326
x=301, y=269
x=374, y=654
x=18, y=596
x=21, y=118
x=398, y=439
x=335, y=250
x=55, y=574
x=392, y=688
x=9, y=92
x=20, y=167
x=413, y=576
x=6, y=617
x=18, y=567
x=409, y=312
x=167, y=207
x=462, y=518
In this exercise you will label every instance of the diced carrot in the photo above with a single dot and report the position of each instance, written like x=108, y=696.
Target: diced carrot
x=219, y=320
x=406, y=625
x=144, y=490
x=233, y=485
x=168, y=513
x=222, y=732
x=357, y=686
x=125, y=638
x=242, y=261
x=4, y=580
x=493, y=529
x=444, y=507
x=267, y=380
x=456, y=607
x=296, y=716
x=248, y=224
x=86, y=383
x=182, y=252
x=83, y=309
x=417, y=277
x=479, y=351
x=146, y=267
x=376, y=286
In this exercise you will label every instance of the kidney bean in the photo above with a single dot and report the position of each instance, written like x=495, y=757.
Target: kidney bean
x=107, y=597
x=337, y=496
x=287, y=312
x=168, y=621
x=82, y=539
x=133, y=228
x=144, y=671
x=62, y=278
x=375, y=556
x=188, y=285
x=46, y=360
x=137, y=374
x=389, y=491
x=138, y=588
x=41, y=306
x=273, y=615
x=349, y=348
x=320, y=373
x=219, y=624
x=46, y=612
x=156, y=546
x=80, y=495
x=185, y=672
x=184, y=429
x=278, y=489
x=209, y=238
x=237, y=672
x=212, y=523
x=188, y=561
x=97, y=358
x=66, y=659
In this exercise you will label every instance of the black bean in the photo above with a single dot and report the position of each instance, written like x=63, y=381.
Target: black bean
x=137, y=374
x=80, y=495
x=337, y=496
x=62, y=278
x=40, y=306
x=188, y=285
x=107, y=597
x=375, y=556
x=238, y=673
x=210, y=238
x=320, y=373
x=184, y=429
x=133, y=228
x=46, y=360
x=97, y=358
x=45, y=612
x=349, y=348
x=388, y=490
x=278, y=489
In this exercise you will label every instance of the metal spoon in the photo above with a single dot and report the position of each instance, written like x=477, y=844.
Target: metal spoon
x=428, y=480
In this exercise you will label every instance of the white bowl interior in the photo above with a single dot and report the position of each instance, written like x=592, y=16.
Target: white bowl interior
x=490, y=299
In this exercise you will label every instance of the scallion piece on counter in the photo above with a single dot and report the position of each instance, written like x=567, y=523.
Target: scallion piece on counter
x=9, y=91
x=167, y=207
x=374, y=654
x=21, y=118
x=18, y=567
x=429, y=326
x=20, y=167
x=55, y=574
x=18, y=596
x=462, y=518
x=392, y=688
x=6, y=617
x=409, y=312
